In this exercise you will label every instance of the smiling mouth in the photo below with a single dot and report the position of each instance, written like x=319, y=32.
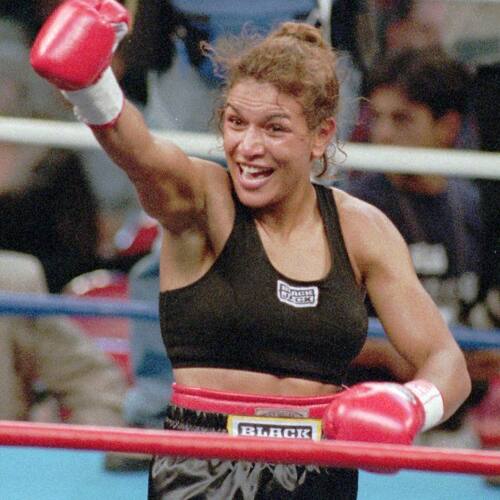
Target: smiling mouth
x=249, y=172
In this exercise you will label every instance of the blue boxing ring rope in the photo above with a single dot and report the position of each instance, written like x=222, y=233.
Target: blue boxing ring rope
x=32, y=304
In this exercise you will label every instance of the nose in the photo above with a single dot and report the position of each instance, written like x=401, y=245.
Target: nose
x=382, y=131
x=252, y=142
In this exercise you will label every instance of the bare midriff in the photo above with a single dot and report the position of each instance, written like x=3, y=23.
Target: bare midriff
x=247, y=382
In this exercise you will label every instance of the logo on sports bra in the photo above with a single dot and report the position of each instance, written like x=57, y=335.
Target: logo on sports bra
x=297, y=296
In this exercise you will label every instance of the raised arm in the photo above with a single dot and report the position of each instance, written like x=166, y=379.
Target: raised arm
x=73, y=51
x=171, y=186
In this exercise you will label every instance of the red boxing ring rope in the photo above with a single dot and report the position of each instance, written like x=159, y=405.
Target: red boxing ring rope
x=213, y=445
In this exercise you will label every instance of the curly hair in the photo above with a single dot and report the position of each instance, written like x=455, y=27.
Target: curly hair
x=294, y=58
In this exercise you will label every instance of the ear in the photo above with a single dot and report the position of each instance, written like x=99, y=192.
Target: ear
x=322, y=137
x=448, y=127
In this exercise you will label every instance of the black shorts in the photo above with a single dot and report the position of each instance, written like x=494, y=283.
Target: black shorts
x=176, y=478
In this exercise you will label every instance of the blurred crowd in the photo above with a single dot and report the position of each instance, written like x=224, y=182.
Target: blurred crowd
x=414, y=73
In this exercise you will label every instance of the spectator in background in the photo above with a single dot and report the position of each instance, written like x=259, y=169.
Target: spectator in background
x=418, y=25
x=418, y=98
x=405, y=25
x=47, y=205
x=113, y=192
x=53, y=353
x=471, y=34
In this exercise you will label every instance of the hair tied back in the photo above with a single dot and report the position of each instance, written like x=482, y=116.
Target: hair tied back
x=302, y=32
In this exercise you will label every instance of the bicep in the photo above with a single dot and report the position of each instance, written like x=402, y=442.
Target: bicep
x=416, y=328
x=409, y=316
x=413, y=323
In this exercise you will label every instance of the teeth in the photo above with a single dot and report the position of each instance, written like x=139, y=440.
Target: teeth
x=253, y=171
x=250, y=170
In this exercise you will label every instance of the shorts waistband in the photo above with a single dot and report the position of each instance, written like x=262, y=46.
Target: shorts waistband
x=229, y=403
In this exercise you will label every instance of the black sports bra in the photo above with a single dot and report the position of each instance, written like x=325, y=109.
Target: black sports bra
x=244, y=314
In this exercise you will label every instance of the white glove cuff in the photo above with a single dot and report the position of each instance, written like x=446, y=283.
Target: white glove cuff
x=432, y=401
x=101, y=103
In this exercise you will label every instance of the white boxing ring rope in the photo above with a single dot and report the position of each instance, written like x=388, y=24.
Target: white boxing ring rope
x=367, y=157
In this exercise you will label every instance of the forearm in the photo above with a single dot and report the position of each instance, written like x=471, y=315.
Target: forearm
x=128, y=141
x=417, y=331
x=447, y=370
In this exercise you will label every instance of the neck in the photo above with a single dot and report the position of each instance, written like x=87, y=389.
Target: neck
x=290, y=213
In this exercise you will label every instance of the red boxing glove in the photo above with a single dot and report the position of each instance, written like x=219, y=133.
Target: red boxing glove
x=381, y=412
x=73, y=50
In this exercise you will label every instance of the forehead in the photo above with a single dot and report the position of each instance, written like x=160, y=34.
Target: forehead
x=255, y=98
x=392, y=98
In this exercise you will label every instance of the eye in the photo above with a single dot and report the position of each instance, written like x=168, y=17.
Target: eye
x=234, y=120
x=276, y=128
x=401, y=118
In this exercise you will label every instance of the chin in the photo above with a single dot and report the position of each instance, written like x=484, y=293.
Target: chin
x=253, y=199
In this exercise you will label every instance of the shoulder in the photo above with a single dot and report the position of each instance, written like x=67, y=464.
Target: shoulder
x=209, y=166
x=369, y=235
x=357, y=213
x=215, y=177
